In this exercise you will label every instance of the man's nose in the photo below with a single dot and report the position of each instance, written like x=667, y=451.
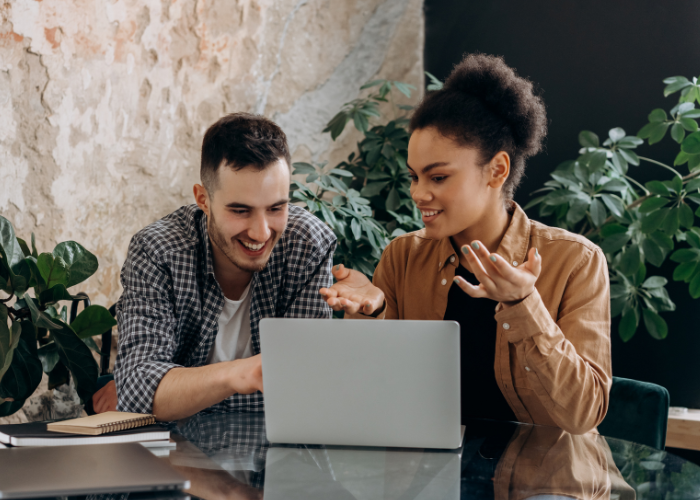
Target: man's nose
x=259, y=229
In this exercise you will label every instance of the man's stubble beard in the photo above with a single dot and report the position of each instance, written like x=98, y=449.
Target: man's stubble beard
x=224, y=245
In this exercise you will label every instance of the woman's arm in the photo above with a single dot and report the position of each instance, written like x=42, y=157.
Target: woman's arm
x=567, y=362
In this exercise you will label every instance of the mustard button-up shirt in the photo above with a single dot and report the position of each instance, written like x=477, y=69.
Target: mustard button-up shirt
x=552, y=358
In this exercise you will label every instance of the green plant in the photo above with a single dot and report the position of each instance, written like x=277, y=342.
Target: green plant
x=635, y=225
x=365, y=199
x=35, y=336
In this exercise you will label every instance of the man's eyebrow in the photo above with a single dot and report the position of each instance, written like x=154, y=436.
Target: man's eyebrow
x=233, y=204
x=428, y=168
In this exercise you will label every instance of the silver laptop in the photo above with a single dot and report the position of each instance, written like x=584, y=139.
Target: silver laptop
x=362, y=382
x=55, y=471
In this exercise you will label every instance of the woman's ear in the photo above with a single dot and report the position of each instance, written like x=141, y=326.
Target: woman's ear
x=499, y=167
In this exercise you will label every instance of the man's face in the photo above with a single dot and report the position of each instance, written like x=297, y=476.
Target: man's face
x=248, y=213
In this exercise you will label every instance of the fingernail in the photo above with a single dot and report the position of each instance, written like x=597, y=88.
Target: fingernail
x=493, y=258
x=455, y=281
x=475, y=245
x=337, y=267
x=322, y=293
x=465, y=250
x=537, y=254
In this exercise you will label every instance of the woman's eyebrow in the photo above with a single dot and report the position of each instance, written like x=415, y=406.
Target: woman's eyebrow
x=428, y=168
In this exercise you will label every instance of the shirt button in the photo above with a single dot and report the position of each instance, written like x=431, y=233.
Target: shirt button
x=444, y=282
x=452, y=259
x=506, y=326
x=527, y=368
x=515, y=263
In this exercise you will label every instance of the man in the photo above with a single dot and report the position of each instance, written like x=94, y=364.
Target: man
x=197, y=282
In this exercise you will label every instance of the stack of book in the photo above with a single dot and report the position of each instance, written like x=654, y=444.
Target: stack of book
x=108, y=427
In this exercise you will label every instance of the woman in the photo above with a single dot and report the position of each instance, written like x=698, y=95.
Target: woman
x=534, y=313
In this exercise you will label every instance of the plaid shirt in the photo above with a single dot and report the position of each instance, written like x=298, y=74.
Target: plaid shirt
x=168, y=314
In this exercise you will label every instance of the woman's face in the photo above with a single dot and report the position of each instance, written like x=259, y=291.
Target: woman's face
x=449, y=187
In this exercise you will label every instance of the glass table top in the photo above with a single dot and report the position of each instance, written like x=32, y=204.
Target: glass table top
x=227, y=456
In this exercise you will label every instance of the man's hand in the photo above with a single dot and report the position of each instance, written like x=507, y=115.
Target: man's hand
x=247, y=375
x=352, y=292
x=498, y=280
x=106, y=398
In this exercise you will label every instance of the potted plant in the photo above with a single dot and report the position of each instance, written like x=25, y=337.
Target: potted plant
x=35, y=336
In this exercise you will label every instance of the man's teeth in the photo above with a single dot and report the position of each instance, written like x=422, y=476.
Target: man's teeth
x=429, y=214
x=253, y=247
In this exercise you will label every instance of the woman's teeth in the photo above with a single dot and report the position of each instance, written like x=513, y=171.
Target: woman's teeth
x=431, y=213
x=251, y=246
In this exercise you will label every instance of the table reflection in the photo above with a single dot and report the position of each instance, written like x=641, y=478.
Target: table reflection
x=228, y=456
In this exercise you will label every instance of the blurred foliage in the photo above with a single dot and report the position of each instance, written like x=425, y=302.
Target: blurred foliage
x=636, y=225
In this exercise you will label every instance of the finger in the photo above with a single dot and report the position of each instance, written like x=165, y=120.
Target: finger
x=340, y=272
x=97, y=406
x=328, y=292
x=476, y=265
x=534, y=262
x=335, y=304
x=350, y=306
x=472, y=290
x=503, y=271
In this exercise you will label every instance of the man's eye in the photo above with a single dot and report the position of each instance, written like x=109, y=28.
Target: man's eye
x=239, y=212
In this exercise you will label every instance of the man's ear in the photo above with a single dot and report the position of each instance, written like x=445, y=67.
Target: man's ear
x=499, y=167
x=201, y=198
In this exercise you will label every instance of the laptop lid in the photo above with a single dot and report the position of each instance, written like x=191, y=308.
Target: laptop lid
x=56, y=471
x=361, y=382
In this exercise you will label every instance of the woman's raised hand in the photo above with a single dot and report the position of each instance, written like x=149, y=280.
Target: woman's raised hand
x=352, y=292
x=498, y=279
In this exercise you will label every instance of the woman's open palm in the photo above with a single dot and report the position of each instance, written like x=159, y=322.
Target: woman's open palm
x=353, y=292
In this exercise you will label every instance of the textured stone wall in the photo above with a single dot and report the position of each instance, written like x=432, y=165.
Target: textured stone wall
x=103, y=103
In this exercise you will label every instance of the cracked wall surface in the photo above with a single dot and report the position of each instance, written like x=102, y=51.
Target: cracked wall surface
x=103, y=103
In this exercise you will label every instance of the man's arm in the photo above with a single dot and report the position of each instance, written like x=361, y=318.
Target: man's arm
x=182, y=392
x=147, y=378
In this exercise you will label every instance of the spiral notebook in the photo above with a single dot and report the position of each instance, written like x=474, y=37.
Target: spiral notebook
x=102, y=423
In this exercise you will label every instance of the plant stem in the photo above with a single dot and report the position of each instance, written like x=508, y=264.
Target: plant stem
x=646, y=192
x=661, y=165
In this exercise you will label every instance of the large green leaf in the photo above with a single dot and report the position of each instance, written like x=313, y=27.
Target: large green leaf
x=685, y=216
x=53, y=270
x=653, y=221
x=81, y=263
x=631, y=260
x=40, y=318
x=652, y=252
x=588, y=139
x=9, y=407
x=58, y=376
x=48, y=355
x=598, y=214
x=10, y=249
x=691, y=144
x=651, y=204
x=657, y=187
x=628, y=324
x=9, y=339
x=24, y=374
x=656, y=326
x=78, y=359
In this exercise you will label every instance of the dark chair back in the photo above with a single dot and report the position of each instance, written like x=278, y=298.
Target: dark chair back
x=638, y=412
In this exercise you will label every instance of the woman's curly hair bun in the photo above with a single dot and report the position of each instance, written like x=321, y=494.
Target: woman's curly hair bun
x=485, y=104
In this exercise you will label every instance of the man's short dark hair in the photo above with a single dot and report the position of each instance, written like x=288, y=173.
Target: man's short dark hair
x=241, y=140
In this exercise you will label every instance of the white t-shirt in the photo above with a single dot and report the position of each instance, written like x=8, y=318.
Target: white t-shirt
x=233, y=339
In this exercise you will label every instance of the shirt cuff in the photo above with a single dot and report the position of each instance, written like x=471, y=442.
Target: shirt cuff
x=525, y=319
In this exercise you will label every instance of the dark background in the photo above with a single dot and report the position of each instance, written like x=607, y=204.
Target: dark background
x=599, y=65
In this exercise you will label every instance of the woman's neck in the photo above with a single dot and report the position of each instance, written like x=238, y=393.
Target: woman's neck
x=489, y=230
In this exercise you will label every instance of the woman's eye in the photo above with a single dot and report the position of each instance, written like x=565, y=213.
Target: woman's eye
x=439, y=178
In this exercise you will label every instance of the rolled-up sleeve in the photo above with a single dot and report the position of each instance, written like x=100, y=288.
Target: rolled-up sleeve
x=567, y=361
x=147, y=331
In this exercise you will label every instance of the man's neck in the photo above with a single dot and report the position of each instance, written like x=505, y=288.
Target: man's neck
x=232, y=279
